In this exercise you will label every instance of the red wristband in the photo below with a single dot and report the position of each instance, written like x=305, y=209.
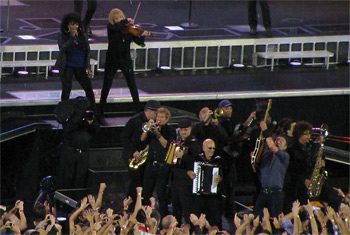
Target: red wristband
x=100, y=192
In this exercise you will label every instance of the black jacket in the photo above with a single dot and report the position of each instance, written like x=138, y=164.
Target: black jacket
x=179, y=171
x=156, y=151
x=64, y=44
x=131, y=135
x=119, y=44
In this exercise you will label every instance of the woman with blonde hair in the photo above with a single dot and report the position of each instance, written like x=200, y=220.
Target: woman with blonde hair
x=118, y=55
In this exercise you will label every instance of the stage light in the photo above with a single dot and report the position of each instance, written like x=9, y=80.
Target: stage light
x=101, y=70
x=238, y=65
x=55, y=71
x=163, y=68
x=174, y=28
x=295, y=63
x=26, y=37
x=22, y=72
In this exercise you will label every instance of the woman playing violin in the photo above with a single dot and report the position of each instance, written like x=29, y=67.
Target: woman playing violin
x=118, y=55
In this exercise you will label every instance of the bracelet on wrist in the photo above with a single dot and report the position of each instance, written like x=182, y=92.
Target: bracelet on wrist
x=324, y=228
x=311, y=217
x=100, y=192
x=139, y=194
x=266, y=134
x=153, y=206
x=126, y=207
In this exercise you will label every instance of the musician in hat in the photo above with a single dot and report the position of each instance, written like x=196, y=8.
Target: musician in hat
x=181, y=182
x=130, y=138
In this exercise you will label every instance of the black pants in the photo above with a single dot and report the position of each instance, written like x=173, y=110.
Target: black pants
x=156, y=178
x=78, y=7
x=265, y=9
x=128, y=72
x=84, y=81
x=73, y=168
x=136, y=180
x=210, y=205
x=182, y=201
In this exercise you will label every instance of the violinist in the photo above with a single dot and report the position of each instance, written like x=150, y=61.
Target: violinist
x=118, y=55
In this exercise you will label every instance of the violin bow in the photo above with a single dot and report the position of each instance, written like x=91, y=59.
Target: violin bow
x=137, y=10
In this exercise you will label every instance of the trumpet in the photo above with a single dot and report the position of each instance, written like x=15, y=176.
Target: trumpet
x=323, y=130
x=218, y=112
x=146, y=127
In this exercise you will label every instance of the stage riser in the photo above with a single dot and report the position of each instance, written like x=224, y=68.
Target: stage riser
x=315, y=109
x=106, y=165
x=199, y=54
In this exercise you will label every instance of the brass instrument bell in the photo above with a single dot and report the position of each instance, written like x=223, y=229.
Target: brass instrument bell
x=219, y=112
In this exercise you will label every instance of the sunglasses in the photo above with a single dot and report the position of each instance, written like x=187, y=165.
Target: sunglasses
x=211, y=148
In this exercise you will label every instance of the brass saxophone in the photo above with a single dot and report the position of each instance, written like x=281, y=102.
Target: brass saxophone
x=134, y=164
x=319, y=175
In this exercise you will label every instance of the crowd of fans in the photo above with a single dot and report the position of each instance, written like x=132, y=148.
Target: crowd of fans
x=91, y=217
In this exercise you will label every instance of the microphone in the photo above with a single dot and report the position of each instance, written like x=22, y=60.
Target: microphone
x=76, y=41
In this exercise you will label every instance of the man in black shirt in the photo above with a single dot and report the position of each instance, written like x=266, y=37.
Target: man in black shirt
x=181, y=182
x=157, y=172
x=131, y=141
x=236, y=134
x=210, y=204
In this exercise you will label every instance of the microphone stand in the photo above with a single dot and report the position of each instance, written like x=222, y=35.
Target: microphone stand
x=189, y=24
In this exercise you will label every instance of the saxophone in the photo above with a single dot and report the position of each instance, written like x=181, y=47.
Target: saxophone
x=134, y=164
x=319, y=175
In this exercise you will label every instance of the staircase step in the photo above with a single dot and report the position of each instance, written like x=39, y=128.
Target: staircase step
x=116, y=179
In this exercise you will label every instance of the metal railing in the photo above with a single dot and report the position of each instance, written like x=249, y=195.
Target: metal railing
x=196, y=54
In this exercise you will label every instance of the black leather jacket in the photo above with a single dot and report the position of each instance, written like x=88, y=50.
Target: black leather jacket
x=64, y=43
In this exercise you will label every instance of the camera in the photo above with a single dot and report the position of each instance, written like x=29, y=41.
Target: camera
x=89, y=115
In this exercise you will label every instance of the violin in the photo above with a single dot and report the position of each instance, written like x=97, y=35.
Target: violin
x=135, y=30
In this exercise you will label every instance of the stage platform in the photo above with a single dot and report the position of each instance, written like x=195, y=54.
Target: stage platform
x=215, y=19
x=202, y=72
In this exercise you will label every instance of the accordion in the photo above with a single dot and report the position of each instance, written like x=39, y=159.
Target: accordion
x=204, y=181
